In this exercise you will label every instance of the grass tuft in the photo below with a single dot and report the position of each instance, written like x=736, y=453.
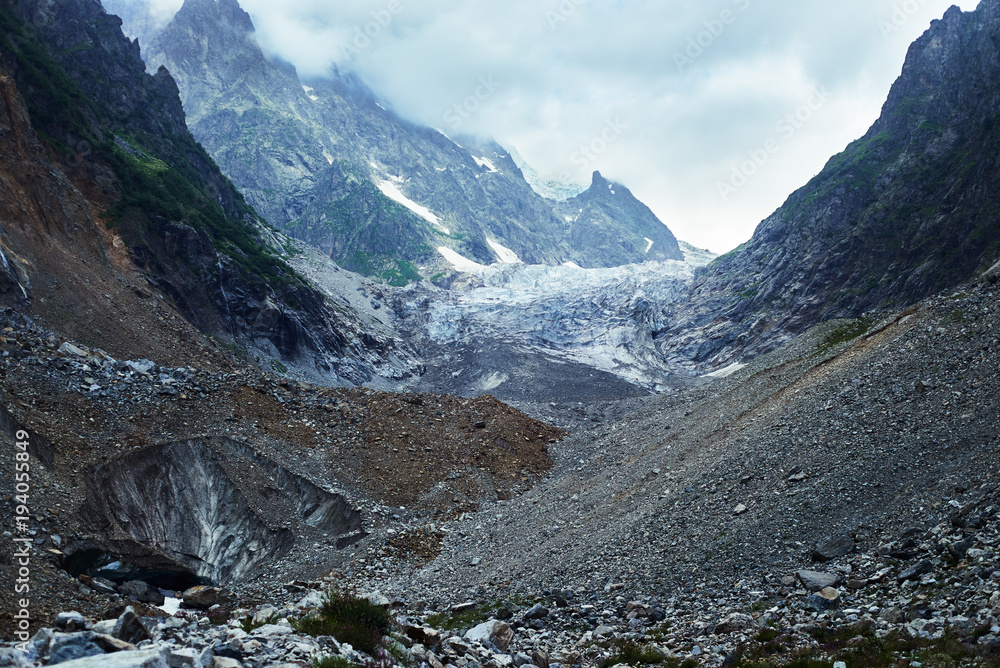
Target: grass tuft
x=350, y=619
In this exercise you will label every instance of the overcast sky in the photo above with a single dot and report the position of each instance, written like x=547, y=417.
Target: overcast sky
x=665, y=96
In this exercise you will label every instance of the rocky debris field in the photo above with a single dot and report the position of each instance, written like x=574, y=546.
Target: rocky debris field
x=864, y=430
x=834, y=504
x=268, y=450
x=928, y=596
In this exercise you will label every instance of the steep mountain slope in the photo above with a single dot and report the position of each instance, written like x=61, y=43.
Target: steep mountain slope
x=908, y=210
x=114, y=148
x=609, y=216
x=736, y=482
x=307, y=157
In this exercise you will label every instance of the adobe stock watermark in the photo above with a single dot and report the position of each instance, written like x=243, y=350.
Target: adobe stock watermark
x=462, y=111
x=365, y=35
x=901, y=14
x=563, y=12
x=22, y=541
x=787, y=127
x=701, y=42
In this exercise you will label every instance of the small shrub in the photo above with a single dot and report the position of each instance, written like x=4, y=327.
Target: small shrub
x=349, y=619
x=633, y=654
x=845, y=333
x=249, y=625
x=332, y=662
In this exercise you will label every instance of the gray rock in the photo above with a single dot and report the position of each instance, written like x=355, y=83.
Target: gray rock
x=67, y=647
x=521, y=659
x=313, y=599
x=816, y=581
x=104, y=627
x=481, y=633
x=70, y=621
x=186, y=657
x=225, y=662
x=130, y=628
x=269, y=630
x=12, y=658
x=102, y=585
x=151, y=658
x=537, y=611
x=502, y=636
x=992, y=274
x=70, y=350
x=916, y=571
x=603, y=631
x=827, y=599
x=142, y=592
x=203, y=597
x=833, y=548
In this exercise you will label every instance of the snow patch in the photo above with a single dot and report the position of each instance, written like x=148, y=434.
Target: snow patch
x=390, y=190
x=492, y=381
x=506, y=255
x=649, y=246
x=172, y=605
x=725, y=372
x=441, y=132
x=487, y=163
x=571, y=265
x=309, y=91
x=459, y=262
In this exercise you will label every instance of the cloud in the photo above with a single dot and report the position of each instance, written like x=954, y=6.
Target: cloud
x=702, y=85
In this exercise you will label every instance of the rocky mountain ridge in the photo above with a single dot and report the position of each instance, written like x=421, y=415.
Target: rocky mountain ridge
x=118, y=185
x=904, y=212
x=330, y=165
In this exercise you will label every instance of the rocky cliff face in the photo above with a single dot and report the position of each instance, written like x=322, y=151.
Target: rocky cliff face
x=609, y=217
x=329, y=164
x=906, y=211
x=96, y=138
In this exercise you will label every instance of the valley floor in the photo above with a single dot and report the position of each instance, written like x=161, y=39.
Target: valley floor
x=677, y=525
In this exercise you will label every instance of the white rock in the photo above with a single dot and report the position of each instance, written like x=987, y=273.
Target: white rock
x=269, y=630
x=313, y=599
x=481, y=634
x=150, y=658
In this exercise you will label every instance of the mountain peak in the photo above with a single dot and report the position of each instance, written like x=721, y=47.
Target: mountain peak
x=598, y=180
x=220, y=12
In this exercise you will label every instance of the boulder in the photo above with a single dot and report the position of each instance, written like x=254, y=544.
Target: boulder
x=67, y=647
x=833, y=548
x=537, y=611
x=202, y=597
x=151, y=658
x=734, y=623
x=816, y=581
x=502, y=636
x=481, y=633
x=70, y=350
x=12, y=658
x=142, y=592
x=70, y=621
x=916, y=571
x=130, y=628
x=425, y=635
x=992, y=274
x=826, y=599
